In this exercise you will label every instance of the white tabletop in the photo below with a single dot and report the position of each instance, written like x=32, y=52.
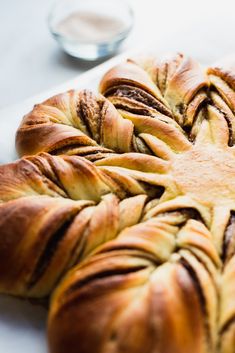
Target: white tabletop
x=31, y=62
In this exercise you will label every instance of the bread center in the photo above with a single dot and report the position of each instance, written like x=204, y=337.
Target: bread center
x=207, y=173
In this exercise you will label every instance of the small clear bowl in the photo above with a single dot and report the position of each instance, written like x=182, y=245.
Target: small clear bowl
x=107, y=24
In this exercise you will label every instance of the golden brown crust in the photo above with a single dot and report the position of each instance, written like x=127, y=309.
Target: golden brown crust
x=131, y=217
x=131, y=74
x=55, y=210
x=138, y=291
x=179, y=81
x=71, y=121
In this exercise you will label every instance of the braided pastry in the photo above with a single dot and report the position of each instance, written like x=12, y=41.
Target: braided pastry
x=123, y=211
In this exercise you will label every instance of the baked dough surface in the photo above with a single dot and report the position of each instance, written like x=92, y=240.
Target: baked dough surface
x=122, y=211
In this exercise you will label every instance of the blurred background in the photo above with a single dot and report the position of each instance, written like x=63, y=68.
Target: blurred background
x=31, y=60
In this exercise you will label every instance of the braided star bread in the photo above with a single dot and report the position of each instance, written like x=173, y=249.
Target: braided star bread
x=123, y=211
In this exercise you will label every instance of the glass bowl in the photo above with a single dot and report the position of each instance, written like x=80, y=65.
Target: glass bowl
x=90, y=29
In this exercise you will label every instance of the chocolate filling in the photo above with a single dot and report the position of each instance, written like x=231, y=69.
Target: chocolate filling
x=228, y=121
x=83, y=115
x=102, y=275
x=202, y=300
x=133, y=251
x=48, y=253
x=228, y=248
x=230, y=130
x=139, y=95
x=140, y=146
x=153, y=191
x=230, y=322
x=93, y=157
x=201, y=105
x=189, y=213
x=197, y=120
x=137, y=110
x=203, y=263
x=65, y=149
x=49, y=176
x=94, y=150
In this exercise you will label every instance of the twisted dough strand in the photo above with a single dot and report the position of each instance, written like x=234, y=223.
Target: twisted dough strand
x=54, y=212
x=78, y=123
x=136, y=287
x=182, y=88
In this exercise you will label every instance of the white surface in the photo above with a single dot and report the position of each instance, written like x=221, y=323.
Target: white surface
x=22, y=327
x=30, y=63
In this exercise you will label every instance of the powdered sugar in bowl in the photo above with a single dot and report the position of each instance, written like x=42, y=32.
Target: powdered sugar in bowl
x=90, y=29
